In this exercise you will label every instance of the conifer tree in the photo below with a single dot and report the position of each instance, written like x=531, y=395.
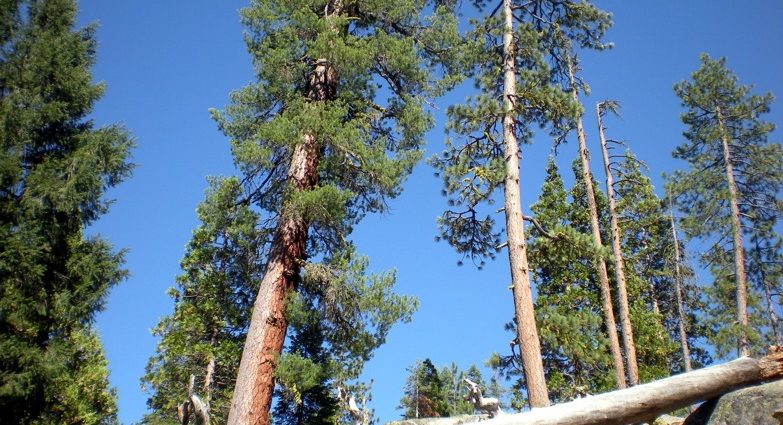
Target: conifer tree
x=454, y=389
x=55, y=166
x=204, y=335
x=569, y=307
x=516, y=70
x=665, y=304
x=600, y=262
x=327, y=134
x=734, y=179
x=643, y=222
x=424, y=395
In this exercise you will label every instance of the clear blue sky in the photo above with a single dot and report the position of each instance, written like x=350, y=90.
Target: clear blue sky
x=166, y=62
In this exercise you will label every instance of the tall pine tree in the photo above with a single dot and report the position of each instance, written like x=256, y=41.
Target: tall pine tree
x=327, y=134
x=515, y=60
x=55, y=166
x=734, y=180
x=575, y=346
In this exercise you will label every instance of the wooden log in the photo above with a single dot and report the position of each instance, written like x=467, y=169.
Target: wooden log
x=644, y=402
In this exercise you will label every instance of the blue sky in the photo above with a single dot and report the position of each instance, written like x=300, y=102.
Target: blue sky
x=166, y=62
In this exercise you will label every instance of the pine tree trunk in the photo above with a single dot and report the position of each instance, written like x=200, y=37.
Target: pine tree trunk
x=739, y=253
x=773, y=317
x=606, y=293
x=619, y=267
x=255, y=383
x=527, y=332
x=686, y=352
x=653, y=293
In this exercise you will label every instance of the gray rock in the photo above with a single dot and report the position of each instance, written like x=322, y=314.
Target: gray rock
x=453, y=420
x=668, y=420
x=759, y=405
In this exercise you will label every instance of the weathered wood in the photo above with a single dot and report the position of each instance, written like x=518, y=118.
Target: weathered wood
x=643, y=402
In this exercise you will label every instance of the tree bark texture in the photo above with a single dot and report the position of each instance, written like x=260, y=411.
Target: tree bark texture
x=527, y=332
x=736, y=227
x=643, y=402
x=603, y=276
x=255, y=383
x=619, y=266
x=682, y=322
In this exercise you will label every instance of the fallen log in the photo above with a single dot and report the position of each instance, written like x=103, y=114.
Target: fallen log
x=645, y=402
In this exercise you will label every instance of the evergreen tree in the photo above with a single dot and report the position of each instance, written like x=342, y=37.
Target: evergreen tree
x=574, y=85
x=424, y=395
x=55, y=166
x=569, y=308
x=734, y=180
x=651, y=282
x=454, y=389
x=204, y=335
x=333, y=125
x=517, y=70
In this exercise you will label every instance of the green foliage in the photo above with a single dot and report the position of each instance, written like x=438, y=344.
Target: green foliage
x=568, y=309
x=473, y=171
x=213, y=300
x=431, y=394
x=381, y=58
x=54, y=169
x=340, y=315
x=368, y=144
x=648, y=248
x=714, y=94
x=424, y=393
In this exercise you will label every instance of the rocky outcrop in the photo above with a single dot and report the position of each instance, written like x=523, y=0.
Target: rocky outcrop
x=759, y=405
x=453, y=420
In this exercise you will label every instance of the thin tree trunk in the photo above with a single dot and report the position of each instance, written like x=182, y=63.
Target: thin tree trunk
x=527, y=332
x=739, y=253
x=682, y=324
x=653, y=293
x=606, y=293
x=209, y=377
x=773, y=317
x=644, y=402
x=619, y=266
x=255, y=383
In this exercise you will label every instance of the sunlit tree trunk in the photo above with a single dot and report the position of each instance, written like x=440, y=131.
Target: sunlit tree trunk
x=686, y=352
x=606, y=294
x=527, y=333
x=736, y=227
x=619, y=266
x=773, y=317
x=265, y=337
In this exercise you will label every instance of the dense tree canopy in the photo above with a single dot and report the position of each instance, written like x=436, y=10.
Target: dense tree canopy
x=55, y=166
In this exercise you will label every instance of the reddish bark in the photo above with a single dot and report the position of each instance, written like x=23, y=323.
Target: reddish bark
x=255, y=382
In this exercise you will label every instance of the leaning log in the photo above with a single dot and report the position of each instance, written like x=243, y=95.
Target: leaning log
x=645, y=402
